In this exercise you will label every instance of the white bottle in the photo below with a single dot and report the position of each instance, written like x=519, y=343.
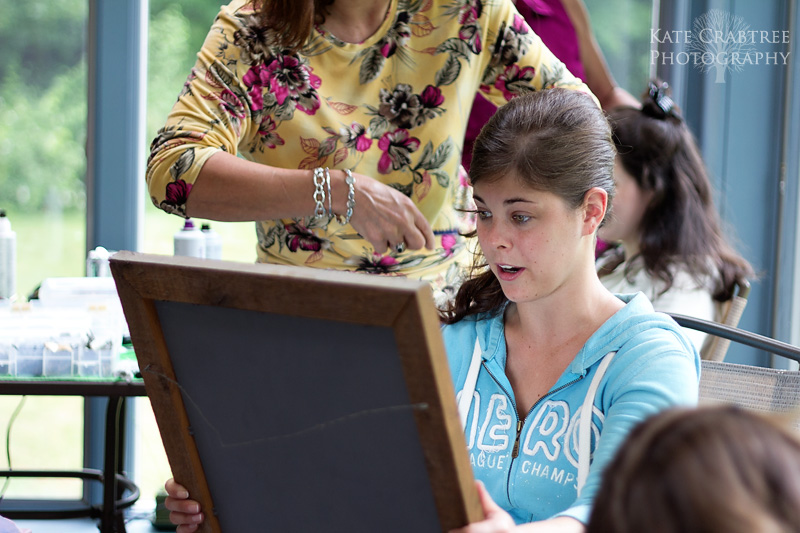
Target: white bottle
x=97, y=263
x=190, y=241
x=8, y=258
x=213, y=242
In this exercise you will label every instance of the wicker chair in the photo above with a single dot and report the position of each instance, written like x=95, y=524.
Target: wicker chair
x=752, y=387
x=715, y=348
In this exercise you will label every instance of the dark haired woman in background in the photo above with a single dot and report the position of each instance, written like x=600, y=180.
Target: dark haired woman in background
x=672, y=246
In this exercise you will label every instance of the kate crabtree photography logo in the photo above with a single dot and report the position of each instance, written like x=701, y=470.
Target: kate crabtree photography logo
x=720, y=42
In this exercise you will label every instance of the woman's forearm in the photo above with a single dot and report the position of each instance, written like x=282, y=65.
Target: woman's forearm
x=232, y=189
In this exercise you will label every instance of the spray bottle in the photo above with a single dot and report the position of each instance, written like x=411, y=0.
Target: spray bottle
x=190, y=241
x=8, y=258
x=213, y=242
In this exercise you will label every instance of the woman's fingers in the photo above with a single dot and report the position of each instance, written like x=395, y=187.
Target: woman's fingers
x=387, y=218
x=175, y=489
x=184, y=512
x=192, y=519
x=183, y=506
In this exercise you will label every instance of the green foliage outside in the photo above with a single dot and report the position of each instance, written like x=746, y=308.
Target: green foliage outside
x=43, y=91
x=43, y=114
x=43, y=104
x=622, y=29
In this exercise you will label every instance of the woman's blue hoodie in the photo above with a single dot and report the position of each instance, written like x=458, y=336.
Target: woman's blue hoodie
x=655, y=367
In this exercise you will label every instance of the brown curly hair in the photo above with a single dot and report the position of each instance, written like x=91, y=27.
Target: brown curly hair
x=290, y=22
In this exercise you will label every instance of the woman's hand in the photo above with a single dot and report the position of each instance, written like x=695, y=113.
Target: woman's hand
x=496, y=521
x=184, y=513
x=499, y=521
x=386, y=217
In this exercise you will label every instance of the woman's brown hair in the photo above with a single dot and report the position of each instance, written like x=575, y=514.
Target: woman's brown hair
x=556, y=140
x=702, y=470
x=290, y=21
x=680, y=225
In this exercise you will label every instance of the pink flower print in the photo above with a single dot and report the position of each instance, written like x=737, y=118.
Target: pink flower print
x=401, y=106
x=431, y=96
x=388, y=49
x=471, y=35
x=178, y=192
x=397, y=147
x=300, y=237
x=430, y=101
x=267, y=132
x=355, y=137
x=513, y=78
x=470, y=12
x=231, y=104
x=397, y=36
x=253, y=81
x=448, y=242
x=387, y=261
x=363, y=143
x=376, y=263
x=519, y=25
x=463, y=177
x=290, y=78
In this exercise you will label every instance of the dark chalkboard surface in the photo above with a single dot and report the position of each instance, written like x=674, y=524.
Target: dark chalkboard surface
x=293, y=399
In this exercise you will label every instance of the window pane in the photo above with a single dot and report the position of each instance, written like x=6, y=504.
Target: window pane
x=43, y=136
x=32, y=445
x=622, y=28
x=177, y=31
x=43, y=88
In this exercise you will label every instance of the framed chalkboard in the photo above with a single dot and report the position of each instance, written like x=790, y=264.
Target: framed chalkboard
x=293, y=399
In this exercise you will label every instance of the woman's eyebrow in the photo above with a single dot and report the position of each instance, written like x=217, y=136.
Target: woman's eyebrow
x=518, y=200
x=508, y=201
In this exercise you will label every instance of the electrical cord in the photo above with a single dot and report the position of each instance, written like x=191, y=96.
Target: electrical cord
x=8, y=443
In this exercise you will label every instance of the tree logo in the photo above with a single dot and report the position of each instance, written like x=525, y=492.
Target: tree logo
x=722, y=40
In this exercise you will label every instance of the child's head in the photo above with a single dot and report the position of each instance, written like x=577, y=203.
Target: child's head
x=658, y=153
x=544, y=158
x=664, y=210
x=706, y=469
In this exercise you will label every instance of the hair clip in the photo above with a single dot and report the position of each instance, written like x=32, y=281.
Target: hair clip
x=663, y=106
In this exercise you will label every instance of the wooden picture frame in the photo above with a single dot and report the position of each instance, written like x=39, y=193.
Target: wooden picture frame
x=295, y=399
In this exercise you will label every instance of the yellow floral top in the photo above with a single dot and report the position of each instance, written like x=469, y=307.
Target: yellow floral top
x=394, y=107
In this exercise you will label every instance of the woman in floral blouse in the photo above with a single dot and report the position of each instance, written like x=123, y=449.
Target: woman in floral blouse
x=381, y=89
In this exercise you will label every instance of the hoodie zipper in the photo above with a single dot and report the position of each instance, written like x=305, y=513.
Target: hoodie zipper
x=521, y=421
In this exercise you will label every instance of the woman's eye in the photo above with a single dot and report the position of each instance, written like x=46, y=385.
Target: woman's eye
x=520, y=218
x=483, y=215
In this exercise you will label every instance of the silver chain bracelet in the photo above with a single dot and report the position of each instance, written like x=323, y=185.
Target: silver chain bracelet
x=351, y=194
x=319, y=192
x=330, y=195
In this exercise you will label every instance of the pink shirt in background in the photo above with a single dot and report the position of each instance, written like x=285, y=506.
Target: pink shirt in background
x=549, y=20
